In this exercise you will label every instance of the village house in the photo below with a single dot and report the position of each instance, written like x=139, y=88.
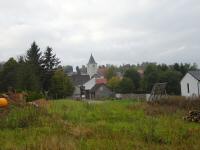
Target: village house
x=96, y=89
x=78, y=81
x=190, y=84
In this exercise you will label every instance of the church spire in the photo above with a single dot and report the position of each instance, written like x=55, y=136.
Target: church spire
x=91, y=60
x=91, y=67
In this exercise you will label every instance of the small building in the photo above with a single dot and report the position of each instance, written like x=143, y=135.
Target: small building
x=78, y=80
x=96, y=89
x=101, y=91
x=190, y=84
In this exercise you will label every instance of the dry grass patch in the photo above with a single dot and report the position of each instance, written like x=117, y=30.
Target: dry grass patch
x=79, y=132
x=167, y=106
x=179, y=102
x=54, y=143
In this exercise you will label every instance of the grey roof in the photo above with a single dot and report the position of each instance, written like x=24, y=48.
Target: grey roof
x=195, y=74
x=98, y=86
x=94, y=88
x=90, y=84
x=96, y=75
x=79, y=80
x=91, y=61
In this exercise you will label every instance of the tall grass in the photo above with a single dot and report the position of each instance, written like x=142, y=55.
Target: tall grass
x=23, y=117
x=180, y=102
x=67, y=124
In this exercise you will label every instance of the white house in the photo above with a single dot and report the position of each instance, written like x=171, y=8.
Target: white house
x=190, y=84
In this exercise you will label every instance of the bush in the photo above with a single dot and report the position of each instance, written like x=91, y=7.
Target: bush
x=34, y=96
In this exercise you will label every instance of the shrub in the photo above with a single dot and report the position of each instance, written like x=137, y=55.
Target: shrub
x=34, y=96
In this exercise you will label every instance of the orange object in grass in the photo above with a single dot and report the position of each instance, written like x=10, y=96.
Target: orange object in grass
x=3, y=102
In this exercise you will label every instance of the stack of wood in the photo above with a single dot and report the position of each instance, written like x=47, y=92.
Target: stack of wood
x=193, y=116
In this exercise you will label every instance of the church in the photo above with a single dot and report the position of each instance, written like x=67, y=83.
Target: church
x=91, y=67
x=90, y=85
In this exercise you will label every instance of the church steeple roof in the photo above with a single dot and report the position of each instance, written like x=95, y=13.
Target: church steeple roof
x=91, y=61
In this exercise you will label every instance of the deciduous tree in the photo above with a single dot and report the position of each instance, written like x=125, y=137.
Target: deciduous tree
x=114, y=84
x=126, y=86
x=61, y=85
x=134, y=76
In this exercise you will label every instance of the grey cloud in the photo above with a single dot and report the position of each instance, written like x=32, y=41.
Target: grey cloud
x=115, y=31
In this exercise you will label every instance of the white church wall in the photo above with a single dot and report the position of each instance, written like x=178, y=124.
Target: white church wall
x=91, y=69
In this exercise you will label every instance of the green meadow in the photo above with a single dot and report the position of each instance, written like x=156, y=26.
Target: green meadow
x=106, y=125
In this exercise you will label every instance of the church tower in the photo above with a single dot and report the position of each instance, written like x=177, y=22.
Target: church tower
x=91, y=67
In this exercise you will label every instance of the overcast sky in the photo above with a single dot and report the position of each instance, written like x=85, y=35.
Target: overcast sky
x=114, y=31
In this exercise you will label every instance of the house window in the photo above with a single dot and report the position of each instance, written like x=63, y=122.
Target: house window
x=188, y=88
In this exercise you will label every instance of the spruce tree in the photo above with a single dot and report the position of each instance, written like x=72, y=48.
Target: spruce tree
x=50, y=63
x=34, y=61
x=34, y=57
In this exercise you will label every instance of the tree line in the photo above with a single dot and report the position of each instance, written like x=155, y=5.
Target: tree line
x=36, y=73
x=40, y=74
x=134, y=82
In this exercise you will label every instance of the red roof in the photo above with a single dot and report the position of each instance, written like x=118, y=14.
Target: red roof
x=101, y=81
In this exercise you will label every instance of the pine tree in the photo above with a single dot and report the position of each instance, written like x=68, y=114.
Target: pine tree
x=34, y=56
x=34, y=61
x=49, y=60
x=50, y=63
